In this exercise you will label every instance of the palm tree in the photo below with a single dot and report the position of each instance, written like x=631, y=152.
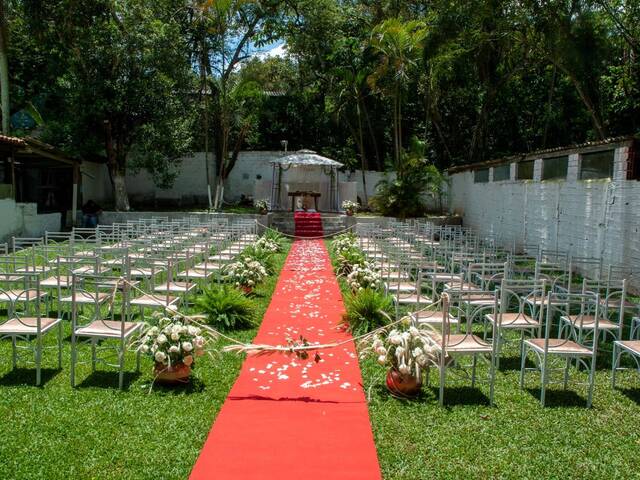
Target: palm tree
x=4, y=69
x=400, y=46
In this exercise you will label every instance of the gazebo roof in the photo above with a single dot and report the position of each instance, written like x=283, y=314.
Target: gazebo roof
x=306, y=157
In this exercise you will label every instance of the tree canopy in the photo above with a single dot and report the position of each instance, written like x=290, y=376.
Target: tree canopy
x=141, y=83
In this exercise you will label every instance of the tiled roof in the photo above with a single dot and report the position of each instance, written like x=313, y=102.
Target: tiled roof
x=18, y=142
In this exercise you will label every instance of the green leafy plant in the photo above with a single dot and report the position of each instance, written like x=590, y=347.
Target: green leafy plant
x=367, y=310
x=227, y=308
x=262, y=256
x=346, y=260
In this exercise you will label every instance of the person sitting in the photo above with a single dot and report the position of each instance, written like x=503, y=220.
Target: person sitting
x=90, y=212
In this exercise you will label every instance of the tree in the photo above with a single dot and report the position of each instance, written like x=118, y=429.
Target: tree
x=399, y=45
x=4, y=70
x=127, y=87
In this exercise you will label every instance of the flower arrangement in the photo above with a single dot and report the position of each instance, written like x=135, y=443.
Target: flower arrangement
x=262, y=205
x=405, y=349
x=172, y=342
x=246, y=273
x=267, y=244
x=364, y=275
x=344, y=242
x=350, y=207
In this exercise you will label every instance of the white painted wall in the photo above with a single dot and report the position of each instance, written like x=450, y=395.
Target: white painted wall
x=22, y=219
x=252, y=175
x=590, y=218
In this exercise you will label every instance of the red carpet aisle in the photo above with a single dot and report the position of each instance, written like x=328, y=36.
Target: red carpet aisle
x=307, y=224
x=287, y=418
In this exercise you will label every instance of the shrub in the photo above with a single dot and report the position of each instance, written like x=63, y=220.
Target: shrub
x=226, y=308
x=366, y=311
x=347, y=259
x=262, y=256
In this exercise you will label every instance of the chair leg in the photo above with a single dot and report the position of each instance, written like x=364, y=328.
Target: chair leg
x=93, y=355
x=60, y=345
x=38, y=359
x=73, y=361
x=592, y=374
x=492, y=378
x=543, y=381
x=14, y=353
x=565, y=381
x=443, y=376
x=473, y=370
x=121, y=373
x=614, y=362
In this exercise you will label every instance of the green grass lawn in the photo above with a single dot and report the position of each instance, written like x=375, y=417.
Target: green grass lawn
x=515, y=439
x=98, y=431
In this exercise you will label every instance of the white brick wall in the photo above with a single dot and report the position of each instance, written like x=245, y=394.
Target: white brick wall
x=587, y=218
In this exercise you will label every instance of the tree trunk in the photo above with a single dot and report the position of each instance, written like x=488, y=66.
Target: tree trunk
x=120, y=190
x=374, y=141
x=4, y=70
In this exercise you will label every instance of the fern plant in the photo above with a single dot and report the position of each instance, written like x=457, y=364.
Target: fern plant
x=227, y=308
x=367, y=310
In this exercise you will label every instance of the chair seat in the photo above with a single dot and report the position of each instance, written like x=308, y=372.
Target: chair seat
x=514, y=320
x=588, y=322
x=633, y=346
x=615, y=303
x=432, y=317
x=11, y=277
x=225, y=257
x=64, y=282
x=463, y=343
x=411, y=298
x=458, y=286
x=559, y=346
x=27, y=325
x=32, y=269
x=144, y=272
x=195, y=273
x=401, y=287
x=20, y=295
x=477, y=299
x=87, y=298
x=91, y=270
x=180, y=287
x=149, y=300
x=395, y=275
x=445, y=277
x=108, y=329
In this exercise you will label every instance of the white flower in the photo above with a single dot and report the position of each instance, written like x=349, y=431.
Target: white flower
x=417, y=352
x=188, y=360
x=199, y=342
x=395, y=339
x=175, y=336
x=400, y=351
x=187, y=346
x=161, y=339
x=403, y=369
x=144, y=348
x=381, y=350
x=160, y=357
x=421, y=360
x=414, y=331
x=174, y=349
x=193, y=330
x=382, y=359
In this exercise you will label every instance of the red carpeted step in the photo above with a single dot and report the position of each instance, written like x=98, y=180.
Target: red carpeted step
x=308, y=224
x=292, y=418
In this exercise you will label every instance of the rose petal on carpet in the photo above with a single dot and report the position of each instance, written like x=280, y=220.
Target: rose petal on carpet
x=292, y=418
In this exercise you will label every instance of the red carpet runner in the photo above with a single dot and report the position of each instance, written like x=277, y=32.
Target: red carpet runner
x=289, y=418
x=307, y=224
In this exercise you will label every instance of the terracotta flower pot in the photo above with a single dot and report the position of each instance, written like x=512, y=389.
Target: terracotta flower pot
x=246, y=289
x=403, y=385
x=349, y=213
x=264, y=212
x=172, y=375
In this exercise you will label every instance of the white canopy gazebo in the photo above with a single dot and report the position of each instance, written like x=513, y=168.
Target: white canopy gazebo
x=305, y=172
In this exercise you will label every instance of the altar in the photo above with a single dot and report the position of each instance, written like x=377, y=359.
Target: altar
x=304, y=180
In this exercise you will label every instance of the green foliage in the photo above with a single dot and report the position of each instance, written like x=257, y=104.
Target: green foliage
x=227, y=308
x=346, y=259
x=264, y=257
x=367, y=310
x=404, y=196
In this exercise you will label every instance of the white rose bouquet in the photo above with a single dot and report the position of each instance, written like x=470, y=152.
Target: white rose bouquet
x=406, y=349
x=344, y=243
x=366, y=275
x=350, y=207
x=267, y=244
x=261, y=205
x=245, y=273
x=172, y=341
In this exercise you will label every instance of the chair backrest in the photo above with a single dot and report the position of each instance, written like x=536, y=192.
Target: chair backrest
x=576, y=308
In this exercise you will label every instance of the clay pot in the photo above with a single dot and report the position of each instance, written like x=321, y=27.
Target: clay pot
x=246, y=289
x=176, y=374
x=349, y=213
x=264, y=212
x=403, y=385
